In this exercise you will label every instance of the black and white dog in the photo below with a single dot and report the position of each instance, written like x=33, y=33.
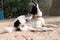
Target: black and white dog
x=35, y=21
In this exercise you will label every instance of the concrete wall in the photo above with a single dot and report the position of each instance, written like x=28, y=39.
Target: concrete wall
x=45, y=6
x=50, y=7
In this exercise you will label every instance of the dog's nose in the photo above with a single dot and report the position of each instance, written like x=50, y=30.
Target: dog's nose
x=31, y=4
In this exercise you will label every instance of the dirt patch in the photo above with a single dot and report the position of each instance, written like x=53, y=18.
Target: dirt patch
x=48, y=35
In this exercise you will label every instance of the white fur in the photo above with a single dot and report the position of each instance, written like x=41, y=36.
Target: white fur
x=39, y=11
x=7, y=29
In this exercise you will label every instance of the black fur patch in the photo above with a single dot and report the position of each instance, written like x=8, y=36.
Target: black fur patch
x=16, y=24
x=33, y=10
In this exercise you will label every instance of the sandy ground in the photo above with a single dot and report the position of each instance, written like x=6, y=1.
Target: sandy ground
x=48, y=35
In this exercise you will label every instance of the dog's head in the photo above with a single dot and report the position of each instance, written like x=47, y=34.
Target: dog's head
x=35, y=9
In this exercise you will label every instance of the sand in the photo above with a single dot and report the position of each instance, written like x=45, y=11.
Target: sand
x=48, y=35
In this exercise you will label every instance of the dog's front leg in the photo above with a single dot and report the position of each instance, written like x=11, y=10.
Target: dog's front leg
x=49, y=25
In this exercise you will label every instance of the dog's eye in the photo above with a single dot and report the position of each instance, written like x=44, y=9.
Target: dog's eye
x=27, y=20
x=22, y=25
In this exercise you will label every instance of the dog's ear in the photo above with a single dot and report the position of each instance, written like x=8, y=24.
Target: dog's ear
x=35, y=3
